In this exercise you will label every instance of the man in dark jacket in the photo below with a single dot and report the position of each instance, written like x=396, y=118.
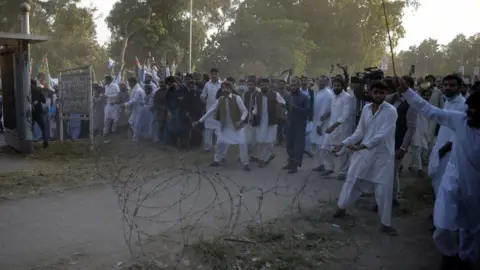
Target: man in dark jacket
x=298, y=107
x=38, y=100
x=177, y=100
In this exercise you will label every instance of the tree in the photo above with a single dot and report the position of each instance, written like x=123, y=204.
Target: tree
x=70, y=29
x=431, y=58
x=318, y=33
x=161, y=27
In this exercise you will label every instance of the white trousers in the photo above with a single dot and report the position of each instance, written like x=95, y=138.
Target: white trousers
x=112, y=113
x=221, y=151
x=352, y=190
x=343, y=159
x=308, y=143
x=265, y=151
x=208, y=138
x=320, y=156
x=416, y=162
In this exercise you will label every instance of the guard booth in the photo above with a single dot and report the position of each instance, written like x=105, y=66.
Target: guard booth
x=15, y=84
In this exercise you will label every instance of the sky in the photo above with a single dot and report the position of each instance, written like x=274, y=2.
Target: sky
x=437, y=19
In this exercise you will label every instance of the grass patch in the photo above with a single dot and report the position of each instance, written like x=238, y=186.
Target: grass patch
x=313, y=240
x=72, y=164
x=293, y=242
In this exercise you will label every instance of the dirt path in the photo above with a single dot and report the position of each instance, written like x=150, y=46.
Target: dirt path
x=98, y=227
x=88, y=224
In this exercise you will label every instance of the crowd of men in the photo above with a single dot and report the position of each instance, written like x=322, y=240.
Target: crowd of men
x=362, y=139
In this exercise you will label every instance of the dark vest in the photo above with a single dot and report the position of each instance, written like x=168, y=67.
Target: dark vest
x=271, y=108
x=401, y=125
x=235, y=113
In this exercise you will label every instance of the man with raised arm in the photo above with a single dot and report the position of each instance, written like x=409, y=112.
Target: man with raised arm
x=457, y=204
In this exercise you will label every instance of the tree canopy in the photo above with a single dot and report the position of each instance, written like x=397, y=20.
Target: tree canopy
x=430, y=57
x=70, y=29
x=238, y=36
x=261, y=36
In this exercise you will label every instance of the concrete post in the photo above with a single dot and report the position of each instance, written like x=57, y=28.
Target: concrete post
x=25, y=20
x=24, y=105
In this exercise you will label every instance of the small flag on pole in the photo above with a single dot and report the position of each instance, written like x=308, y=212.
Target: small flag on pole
x=111, y=63
x=44, y=73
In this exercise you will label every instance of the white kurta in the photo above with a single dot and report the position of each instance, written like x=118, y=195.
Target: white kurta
x=209, y=95
x=457, y=201
x=111, y=108
x=340, y=112
x=264, y=132
x=436, y=167
x=377, y=133
x=376, y=163
x=228, y=134
x=135, y=104
x=321, y=106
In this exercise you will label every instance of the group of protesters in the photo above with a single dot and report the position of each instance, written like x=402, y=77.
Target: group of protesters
x=363, y=140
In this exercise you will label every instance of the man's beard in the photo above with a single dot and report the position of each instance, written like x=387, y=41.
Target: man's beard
x=378, y=101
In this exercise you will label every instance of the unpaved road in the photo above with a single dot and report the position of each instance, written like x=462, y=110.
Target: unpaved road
x=85, y=226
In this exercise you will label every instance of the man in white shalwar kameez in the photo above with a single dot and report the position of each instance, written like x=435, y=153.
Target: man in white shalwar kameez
x=249, y=98
x=135, y=105
x=372, y=163
x=339, y=128
x=231, y=114
x=457, y=203
x=321, y=113
x=209, y=96
x=455, y=102
x=420, y=139
x=112, y=110
x=266, y=108
x=437, y=100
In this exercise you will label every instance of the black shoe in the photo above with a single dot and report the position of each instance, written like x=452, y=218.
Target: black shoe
x=293, y=169
x=45, y=145
x=286, y=167
x=395, y=203
x=388, y=230
x=246, y=168
x=215, y=164
x=340, y=213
